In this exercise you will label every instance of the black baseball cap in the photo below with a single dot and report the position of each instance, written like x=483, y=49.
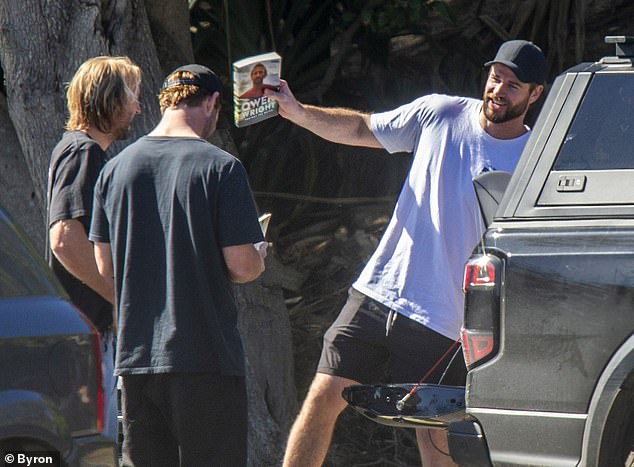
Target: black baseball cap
x=203, y=78
x=524, y=58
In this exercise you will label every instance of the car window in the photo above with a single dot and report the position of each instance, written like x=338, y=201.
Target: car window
x=581, y=149
x=602, y=132
x=21, y=274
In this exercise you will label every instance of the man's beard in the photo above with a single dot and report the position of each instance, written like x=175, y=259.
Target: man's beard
x=505, y=114
x=121, y=133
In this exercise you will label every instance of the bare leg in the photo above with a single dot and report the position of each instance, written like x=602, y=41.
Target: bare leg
x=311, y=433
x=434, y=454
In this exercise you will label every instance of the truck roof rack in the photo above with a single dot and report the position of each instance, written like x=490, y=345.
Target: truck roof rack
x=624, y=45
x=624, y=51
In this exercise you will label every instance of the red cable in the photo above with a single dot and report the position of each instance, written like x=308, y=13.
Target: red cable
x=409, y=394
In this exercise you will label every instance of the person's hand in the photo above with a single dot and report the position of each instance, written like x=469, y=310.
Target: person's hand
x=262, y=247
x=289, y=106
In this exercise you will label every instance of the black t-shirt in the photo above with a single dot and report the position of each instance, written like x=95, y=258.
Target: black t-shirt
x=75, y=165
x=168, y=206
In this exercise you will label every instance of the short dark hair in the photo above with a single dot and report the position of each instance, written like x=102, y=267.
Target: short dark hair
x=188, y=84
x=187, y=94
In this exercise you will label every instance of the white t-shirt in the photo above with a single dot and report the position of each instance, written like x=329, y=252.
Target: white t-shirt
x=417, y=268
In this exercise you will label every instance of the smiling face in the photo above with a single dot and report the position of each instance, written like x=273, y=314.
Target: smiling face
x=505, y=96
x=258, y=73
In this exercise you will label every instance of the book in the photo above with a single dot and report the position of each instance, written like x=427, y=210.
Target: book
x=251, y=76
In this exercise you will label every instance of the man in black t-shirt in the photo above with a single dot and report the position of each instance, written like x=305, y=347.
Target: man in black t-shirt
x=102, y=100
x=175, y=223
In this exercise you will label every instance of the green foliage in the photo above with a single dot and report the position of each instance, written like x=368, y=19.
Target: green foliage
x=328, y=49
x=398, y=17
x=305, y=32
x=224, y=31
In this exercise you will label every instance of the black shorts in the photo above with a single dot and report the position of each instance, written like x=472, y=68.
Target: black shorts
x=356, y=347
x=184, y=419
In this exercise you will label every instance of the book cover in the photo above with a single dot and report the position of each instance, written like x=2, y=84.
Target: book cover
x=251, y=76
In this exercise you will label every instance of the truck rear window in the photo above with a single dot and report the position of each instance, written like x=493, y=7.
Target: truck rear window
x=601, y=136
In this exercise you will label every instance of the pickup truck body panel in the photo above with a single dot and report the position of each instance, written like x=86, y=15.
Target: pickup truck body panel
x=566, y=308
x=550, y=439
x=567, y=304
x=552, y=393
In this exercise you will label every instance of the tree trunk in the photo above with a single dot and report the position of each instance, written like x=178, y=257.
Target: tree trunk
x=266, y=334
x=170, y=29
x=17, y=196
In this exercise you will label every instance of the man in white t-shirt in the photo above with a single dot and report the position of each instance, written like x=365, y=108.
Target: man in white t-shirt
x=405, y=309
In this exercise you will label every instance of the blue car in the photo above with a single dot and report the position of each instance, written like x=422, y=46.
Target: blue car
x=51, y=392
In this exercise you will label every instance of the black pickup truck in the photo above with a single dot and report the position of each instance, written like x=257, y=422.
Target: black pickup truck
x=548, y=333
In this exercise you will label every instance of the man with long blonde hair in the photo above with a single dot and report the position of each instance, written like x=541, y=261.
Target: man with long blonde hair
x=102, y=100
x=175, y=223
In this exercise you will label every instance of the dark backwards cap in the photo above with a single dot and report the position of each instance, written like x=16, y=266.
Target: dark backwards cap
x=524, y=58
x=203, y=78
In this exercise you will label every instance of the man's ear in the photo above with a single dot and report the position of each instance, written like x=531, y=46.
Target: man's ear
x=215, y=100
x=211, y=102
x=536, y=94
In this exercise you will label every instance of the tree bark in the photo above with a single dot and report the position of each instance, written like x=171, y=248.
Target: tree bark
x=266, y=334
x=17, y=196
x=170, y=29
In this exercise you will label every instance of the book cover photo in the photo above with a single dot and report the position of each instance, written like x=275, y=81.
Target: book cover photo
x=251, y=76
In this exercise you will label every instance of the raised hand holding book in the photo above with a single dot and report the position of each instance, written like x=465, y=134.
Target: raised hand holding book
x=251, y=76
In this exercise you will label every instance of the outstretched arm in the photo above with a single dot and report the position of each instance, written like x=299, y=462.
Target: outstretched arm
x=345, y=126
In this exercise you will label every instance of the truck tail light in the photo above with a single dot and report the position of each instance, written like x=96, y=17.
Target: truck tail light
x=476, y=345
x=480, y=332
x=101, y=397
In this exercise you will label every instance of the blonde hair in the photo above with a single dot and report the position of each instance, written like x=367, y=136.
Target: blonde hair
x=188, y=94
x=99, y=91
